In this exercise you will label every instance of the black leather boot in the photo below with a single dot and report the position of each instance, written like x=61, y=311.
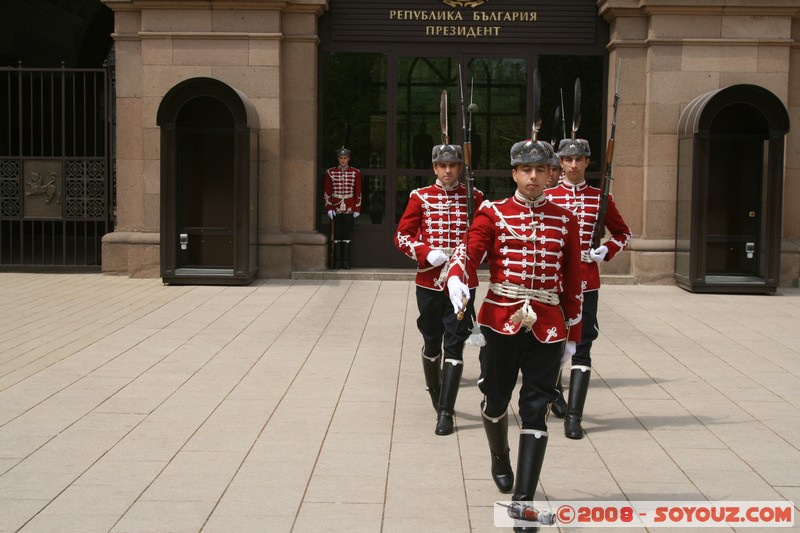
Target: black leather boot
x=431, y=367
x=559, y=406
x=497, y=435
x=530, y=458
x=578, y=387
x=346, y=255
x=337, y=254
x=451, y=377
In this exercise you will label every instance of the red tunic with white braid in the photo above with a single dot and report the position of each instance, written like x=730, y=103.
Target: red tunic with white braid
x=531, y=246
x=342, y=190
x=435, y=219
x=584, y=201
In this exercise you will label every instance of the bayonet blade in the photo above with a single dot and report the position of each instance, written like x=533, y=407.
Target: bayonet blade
x=443, y=117
x=345, y=134
x=556, y=124
x=463, y=110
x=576, y=112
x=537, y=99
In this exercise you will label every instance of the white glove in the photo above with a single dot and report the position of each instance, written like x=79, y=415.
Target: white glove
x=331, y=214
x=356, y=214
x=569, y=350
x=436, y=257
x=458, y=291
x=598, y=254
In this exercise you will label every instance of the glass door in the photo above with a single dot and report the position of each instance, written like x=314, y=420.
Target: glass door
x=497, y=86
x=385, y=108
x=420, y=82
x=500, y=92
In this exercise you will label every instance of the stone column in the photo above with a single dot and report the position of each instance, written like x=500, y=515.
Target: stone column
x=133, y=247
x=289, y=240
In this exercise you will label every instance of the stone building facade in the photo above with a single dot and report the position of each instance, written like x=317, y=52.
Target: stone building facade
x=671, y=51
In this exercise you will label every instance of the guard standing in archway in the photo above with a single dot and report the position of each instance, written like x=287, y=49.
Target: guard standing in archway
x=342, y=195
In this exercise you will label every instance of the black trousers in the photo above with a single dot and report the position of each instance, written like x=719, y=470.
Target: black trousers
x=502, y=359
x=440, y=326
x=343, y=224
x=589, y=330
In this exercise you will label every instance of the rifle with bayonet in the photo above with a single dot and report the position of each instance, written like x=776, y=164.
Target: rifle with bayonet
x=468, y=176
x=467, y=145
x=605, y=183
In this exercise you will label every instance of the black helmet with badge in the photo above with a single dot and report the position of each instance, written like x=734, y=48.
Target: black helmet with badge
x=342, y=152
x=574, y=148
x=447, y=153
x=531, y=153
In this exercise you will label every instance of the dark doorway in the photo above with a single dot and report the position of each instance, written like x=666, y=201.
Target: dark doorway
x=205, y=186
x=209, y=176
x=735, y=206
x=55, y=33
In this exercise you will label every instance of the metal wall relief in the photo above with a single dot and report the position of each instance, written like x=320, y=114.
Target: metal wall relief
x=43, y=188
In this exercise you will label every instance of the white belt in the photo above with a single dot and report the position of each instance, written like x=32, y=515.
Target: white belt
x=343, y=197
x=510, y=290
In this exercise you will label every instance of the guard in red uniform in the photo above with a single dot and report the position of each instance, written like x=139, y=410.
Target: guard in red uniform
x=574, y=194
x=554, y=166
x=531, y=314
x=433, y=224
x=342, y=196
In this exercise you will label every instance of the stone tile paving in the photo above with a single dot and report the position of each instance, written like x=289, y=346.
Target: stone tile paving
x=127, y=405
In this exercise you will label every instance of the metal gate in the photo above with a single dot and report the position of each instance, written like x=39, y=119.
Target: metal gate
x=56, y=177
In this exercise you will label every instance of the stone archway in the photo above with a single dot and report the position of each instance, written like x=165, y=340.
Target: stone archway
x=209, y=175
x=730, y=191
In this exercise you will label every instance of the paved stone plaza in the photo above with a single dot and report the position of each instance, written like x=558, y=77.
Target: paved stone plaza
x=299, y=406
